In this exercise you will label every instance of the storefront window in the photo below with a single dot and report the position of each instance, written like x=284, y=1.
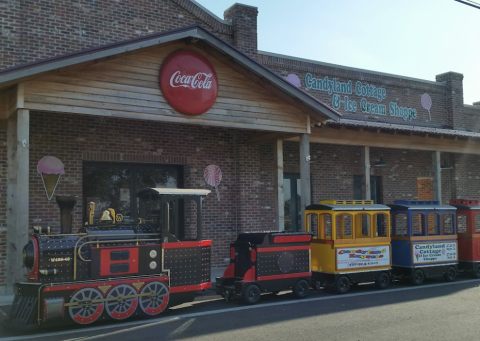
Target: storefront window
x=111, y=185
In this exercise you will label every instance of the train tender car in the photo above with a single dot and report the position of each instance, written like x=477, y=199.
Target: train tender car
x=351, y=243
x=112, y=269
x=468, y=227
x=267, y=262
x=424, y=240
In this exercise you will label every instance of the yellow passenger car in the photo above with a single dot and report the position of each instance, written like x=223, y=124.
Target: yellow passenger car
x=351, y=243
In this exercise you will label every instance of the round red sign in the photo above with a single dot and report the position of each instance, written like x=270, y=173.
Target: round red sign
x=189, y=82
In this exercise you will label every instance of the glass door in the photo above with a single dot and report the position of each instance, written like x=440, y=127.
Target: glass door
x=292, y=202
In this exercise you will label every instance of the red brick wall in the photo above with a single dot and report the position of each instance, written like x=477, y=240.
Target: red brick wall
x=246, y=191
x=332, y=173
x=34, y=30
x=425, y=188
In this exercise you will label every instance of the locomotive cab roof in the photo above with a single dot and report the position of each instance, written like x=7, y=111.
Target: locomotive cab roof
x=178, y=192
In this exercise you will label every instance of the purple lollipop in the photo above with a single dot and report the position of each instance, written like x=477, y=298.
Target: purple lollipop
x=293, y=79
x=427, y=103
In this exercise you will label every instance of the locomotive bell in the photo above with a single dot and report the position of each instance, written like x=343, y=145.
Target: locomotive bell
x=106, y=216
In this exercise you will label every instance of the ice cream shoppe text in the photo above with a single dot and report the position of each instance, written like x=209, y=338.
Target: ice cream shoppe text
x=370, y=103
x=434, y=252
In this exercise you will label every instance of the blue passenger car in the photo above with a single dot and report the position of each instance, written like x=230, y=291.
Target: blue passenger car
x=424, y=240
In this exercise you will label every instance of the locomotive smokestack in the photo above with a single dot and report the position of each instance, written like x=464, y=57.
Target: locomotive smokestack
x=66, y=205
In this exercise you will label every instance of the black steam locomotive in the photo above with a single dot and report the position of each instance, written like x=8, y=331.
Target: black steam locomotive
x=111, y=269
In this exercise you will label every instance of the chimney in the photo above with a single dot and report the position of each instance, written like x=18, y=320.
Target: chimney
x=453, y=99
x=66, y=205
x=244, y=22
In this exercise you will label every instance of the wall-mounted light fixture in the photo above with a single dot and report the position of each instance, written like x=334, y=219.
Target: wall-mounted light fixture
x=311, y=159
x=446, y=165
x=380, y=163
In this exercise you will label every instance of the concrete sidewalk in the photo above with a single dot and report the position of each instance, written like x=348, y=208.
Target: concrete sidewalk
x=7, y=299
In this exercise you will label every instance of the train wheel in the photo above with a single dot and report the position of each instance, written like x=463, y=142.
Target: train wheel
x=301, y=289
x=476, y=271
x=417, y=277
x=117, y=305
x=451, y=274
x=383, y=281
x=342, y=285
x=156, y=300
x=87, y=308
x=251, y=295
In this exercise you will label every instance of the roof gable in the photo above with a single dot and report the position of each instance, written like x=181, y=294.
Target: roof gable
x=195, y=35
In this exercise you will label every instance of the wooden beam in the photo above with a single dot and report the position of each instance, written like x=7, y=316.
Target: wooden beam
x=280, y=210
x=366, y=172
x=437, y=177
x=305, y=191
x=18, y=128
x=263, y=137
x=351, y=138
x=3, y=105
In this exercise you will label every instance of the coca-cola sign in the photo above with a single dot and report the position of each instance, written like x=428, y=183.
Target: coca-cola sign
x=188, y=82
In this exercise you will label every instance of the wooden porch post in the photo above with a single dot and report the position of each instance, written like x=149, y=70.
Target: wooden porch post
x=17, y=194
x=437, y=177
x=367, y=194
x=306, y=197
x=279, y=179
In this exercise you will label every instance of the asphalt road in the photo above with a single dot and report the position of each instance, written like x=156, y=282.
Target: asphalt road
x=434, y=311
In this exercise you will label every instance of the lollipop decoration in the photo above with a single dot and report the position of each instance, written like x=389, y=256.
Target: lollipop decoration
x=293, y=79
x=213, y=176
x=427, y=103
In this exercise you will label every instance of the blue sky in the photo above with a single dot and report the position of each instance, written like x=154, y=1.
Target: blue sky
x=413, y=38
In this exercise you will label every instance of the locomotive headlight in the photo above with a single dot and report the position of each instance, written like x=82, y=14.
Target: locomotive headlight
x=28, y=255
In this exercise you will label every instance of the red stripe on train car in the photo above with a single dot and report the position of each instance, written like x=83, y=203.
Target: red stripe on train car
x=191, y=287
x=97, y=284
x=179, y=245
x=268, y=278
x=286, y=248
x=292, y=239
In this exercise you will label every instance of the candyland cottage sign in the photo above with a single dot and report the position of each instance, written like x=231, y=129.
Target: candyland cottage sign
x=363, y=257
x=188, y=82
x=434, y=252
x=371, y=97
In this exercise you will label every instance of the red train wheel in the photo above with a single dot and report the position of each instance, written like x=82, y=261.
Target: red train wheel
x=157, y=300
x=87, y=310
x=120, y=307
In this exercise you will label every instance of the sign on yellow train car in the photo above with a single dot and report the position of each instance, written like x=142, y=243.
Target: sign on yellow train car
x=363, y=257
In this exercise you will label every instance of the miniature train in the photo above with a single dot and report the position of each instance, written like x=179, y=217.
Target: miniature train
x=111, y=269
x=116, y=269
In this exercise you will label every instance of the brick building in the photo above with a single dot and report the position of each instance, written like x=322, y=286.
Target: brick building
x=79, y=81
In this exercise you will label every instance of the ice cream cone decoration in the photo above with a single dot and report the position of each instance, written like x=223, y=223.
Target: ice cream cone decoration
x=50, y=168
